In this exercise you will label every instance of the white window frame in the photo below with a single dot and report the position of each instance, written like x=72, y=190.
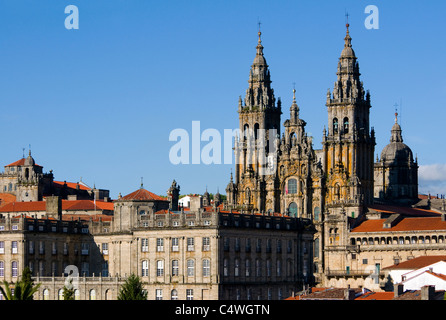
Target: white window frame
x=159, y=245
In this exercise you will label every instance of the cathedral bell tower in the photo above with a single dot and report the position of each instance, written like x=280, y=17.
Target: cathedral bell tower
x=349, y=144
x=259, y=117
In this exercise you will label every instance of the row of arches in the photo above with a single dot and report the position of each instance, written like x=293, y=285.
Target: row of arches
x=409, y=240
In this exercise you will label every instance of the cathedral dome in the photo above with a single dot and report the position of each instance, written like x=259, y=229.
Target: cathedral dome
x=396, y=152
x=348, y=52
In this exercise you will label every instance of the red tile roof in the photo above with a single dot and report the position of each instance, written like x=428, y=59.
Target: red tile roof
x=406, y=211
x=71, y=185
x=143, y=195
x=20, y=162
x=68, y=205
x=406, y=224
x=24, y=206
x=75, y=205
x=417, y=263
x=87, y=217
x=376, y=296
x=6, y=198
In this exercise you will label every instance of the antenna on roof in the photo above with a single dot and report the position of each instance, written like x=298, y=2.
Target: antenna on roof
x=23, y=149
x=142, y=184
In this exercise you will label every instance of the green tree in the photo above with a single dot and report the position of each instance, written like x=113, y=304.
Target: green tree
x=23, y=290
x=68, y=292
x=132, y=289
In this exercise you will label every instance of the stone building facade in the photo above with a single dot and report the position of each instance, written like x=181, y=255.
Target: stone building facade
x=202, y=254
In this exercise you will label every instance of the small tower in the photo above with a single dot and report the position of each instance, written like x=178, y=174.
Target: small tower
x=206, y=198
x=173, y=195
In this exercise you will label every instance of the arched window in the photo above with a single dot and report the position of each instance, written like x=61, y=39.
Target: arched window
x=190, y=268
x=345, y=125
x=292, y=209
x=335, y=125
x=14, y=267
x=92, y=294
x=256, y=131
x=77, y=294
x=174, y=294
x=292, y=186
x=60, y=294
x=246, y=132
x=107, y=295
x=145, y=268
x=46, y=294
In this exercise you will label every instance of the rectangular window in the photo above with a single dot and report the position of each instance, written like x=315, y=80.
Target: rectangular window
x=159, y=294
x=175, y=268
x=85, y=247
x=190, y=244
x=14, y=247
x=2, y=269
x=237, y=245
x=259, y=245
x=190, y=268
x=85, y=269
x=2, y=247
x=42, y=247
x=226, y=244
x=54, y=248
x=105, y=248
x=279, y=246
x=206, y=244
x=189, y=294
x=105, y=269
x=159, y=244
x=65, y=248
x=248, y=245
x=160, y=268
x=175, y=244
x=206, y=268
x=144, y=245
x=31, y=247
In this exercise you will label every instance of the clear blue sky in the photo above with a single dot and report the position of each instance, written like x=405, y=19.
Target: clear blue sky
x=99, y=102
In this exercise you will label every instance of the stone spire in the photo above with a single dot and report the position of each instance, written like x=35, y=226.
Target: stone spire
x=259, y=94
x=348, y=87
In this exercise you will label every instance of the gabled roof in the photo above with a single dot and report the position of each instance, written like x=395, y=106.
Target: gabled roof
x=406, y=224
x=417, y=263
x=142, y=195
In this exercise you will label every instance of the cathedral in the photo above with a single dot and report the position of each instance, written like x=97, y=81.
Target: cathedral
x=307, y=182
x=337, y=186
